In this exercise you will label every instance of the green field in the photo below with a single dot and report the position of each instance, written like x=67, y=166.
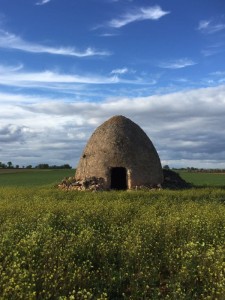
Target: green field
x=109, y=245
x=37, y=177
x=204, y=179
x=32, y=177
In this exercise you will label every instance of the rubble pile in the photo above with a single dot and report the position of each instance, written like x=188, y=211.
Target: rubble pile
x=91, y=184
x=172, y=180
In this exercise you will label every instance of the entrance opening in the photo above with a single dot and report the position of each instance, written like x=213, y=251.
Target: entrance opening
x=119, y=178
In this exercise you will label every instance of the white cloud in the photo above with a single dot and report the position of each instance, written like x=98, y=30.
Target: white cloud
x=11, y=41
x=42, y=2
x=177, y=64
x=213, y=49
x=138, y=14
x=107, y=34
x=210, y=26
x=203, y=25
x=16, y=76
x=184, y=126
x=120, y=71
x=218, y=73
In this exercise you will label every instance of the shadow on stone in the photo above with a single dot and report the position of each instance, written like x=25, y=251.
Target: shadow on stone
x=173, y=181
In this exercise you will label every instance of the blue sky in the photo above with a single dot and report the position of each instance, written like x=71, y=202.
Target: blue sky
x=67, y=66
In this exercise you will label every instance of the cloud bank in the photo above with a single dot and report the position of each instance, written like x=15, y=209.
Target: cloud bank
x=186, y=127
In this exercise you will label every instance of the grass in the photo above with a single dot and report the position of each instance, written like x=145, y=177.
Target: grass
x=109, y=245
x=32, y=177
x=204, y=179
x=37, y=177
x=117, y=245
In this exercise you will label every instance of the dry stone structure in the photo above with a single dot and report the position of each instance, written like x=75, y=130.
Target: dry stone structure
x=119, y=155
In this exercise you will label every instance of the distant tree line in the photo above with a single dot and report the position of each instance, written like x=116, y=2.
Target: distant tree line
x=202, y=170
x=46, y=166
x=9, y=165
x=196, y=170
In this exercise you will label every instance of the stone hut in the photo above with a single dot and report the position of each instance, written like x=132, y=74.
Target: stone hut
x=121, y=156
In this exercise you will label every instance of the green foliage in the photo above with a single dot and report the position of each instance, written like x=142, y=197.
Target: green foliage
x=112, y=245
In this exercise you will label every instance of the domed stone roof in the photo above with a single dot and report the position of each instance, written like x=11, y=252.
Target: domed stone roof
x=122, y=155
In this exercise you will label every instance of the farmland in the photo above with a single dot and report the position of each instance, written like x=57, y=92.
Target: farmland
x=32, y=177
x=37, y=177
x=204, y=179
x=109, y=245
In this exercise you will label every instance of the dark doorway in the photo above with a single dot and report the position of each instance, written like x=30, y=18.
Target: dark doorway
x=119, y=178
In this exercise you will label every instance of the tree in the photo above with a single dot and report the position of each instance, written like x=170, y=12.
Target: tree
x=43, y=166
x=67, y=166
x=10, y=165
x=166, y=167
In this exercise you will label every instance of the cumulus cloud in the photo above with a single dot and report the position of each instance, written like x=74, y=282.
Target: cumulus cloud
x=13, y=133
x=138, y=14
x=177, y=64
x=184, y=126
x=12, y=41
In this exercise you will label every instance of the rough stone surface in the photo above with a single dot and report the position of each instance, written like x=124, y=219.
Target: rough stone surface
x=172, y=181
x=90, y=184
x=120, y=143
